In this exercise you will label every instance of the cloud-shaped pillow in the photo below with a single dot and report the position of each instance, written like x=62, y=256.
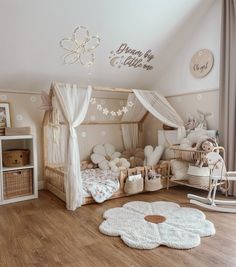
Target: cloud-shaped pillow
x=152, y=156
x=102, y=154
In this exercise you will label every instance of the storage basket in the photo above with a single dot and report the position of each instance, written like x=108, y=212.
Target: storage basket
x=152, y=181
x=17, y=183
x=201, y=181
x=198, y=176
x=16, y=157
x=133, y=187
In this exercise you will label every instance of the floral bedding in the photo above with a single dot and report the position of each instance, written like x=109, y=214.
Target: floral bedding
x=100, y=184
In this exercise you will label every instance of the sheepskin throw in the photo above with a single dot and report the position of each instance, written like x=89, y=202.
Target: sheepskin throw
x=135, y=156
x=102, y=154
x=147, y=225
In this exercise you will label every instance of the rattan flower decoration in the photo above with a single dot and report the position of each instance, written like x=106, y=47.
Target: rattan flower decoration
x=80, y=47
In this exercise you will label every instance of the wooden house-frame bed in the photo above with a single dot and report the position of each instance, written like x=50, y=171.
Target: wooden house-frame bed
x=54, y=174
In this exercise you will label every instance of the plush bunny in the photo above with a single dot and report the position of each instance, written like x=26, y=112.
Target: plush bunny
x=152, y=156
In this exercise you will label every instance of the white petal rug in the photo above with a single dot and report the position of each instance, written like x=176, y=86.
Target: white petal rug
x=147, y=225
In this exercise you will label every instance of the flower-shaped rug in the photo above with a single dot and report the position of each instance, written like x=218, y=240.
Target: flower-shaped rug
x=147, y=225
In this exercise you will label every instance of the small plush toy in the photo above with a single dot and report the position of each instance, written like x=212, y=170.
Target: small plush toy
x=207, y=146
x=203, y=122
x=191, y=123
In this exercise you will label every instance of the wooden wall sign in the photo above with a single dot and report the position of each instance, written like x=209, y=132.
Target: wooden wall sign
x=201, y=63
x=129, y=57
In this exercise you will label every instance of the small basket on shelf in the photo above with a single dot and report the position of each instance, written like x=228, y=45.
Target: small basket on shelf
x=17, y=183
x=16, y=157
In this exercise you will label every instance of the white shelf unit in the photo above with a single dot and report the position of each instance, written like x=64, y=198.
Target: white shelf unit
x=19, y=142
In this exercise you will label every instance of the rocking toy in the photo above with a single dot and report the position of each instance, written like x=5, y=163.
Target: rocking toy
x=218, y=176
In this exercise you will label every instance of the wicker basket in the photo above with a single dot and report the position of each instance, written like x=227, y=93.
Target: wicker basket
x=133, y=187
x=201, y=181
x=17, y=183
x=16, y=157
x=154, y=183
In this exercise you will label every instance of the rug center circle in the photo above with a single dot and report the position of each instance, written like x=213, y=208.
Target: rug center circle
x=155, y=218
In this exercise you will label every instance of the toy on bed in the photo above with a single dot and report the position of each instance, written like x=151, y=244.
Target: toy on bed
x=135, y=156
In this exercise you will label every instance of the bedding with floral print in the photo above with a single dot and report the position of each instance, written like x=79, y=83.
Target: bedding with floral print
x=101, y=184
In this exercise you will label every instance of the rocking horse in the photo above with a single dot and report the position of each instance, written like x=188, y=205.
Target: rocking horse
x=218, y=176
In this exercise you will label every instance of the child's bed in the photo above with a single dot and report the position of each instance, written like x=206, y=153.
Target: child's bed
x=113, y=182
x=62, y=143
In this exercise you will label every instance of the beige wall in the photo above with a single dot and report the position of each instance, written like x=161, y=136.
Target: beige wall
x=24, y=109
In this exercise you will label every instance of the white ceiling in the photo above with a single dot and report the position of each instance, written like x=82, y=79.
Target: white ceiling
x=31, y=30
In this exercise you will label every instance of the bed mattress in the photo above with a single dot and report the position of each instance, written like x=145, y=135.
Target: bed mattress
x=100, y=184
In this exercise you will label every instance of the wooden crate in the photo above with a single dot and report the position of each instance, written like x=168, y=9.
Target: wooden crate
x=17, y=183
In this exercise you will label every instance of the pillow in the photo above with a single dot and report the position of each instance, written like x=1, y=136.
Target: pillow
x=135, y=156
x=152, y=157
x=119, y=164
x=102, y=154
x=179, y=169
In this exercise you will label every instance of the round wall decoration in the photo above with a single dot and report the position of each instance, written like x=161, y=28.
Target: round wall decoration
x=201, y=63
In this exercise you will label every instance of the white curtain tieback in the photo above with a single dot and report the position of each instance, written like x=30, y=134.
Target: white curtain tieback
x=72, y=131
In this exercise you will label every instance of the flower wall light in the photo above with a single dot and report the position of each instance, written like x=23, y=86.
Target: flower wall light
x=80, y=47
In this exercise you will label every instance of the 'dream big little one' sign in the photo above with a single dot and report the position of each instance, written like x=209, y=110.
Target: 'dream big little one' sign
x=129, y=57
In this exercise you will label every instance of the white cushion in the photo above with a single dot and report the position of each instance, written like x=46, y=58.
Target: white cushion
x=179, y=169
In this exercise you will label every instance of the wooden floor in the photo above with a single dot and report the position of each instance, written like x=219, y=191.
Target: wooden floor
x=43, y=233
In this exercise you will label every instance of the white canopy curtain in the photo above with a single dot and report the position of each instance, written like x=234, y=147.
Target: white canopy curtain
x=160, y=108
x=74, y=103
x=130, y=132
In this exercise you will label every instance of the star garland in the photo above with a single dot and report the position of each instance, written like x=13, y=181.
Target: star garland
x=105, y=111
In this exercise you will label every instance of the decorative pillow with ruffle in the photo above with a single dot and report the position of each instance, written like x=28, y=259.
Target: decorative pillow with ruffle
x=135, y=156
x=102, y=154
x=119, y=164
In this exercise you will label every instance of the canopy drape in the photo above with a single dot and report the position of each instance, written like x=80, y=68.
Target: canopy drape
x=161, y=109
x=130, y=132
x=74, y=103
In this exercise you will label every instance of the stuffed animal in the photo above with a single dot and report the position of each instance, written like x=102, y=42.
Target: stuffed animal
x=203, y=122
x=191, y=123
x=119, y=164
x=208, y=145
x=86, y=165
x=102, y=154
x=152, y=156
x=135, y=156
